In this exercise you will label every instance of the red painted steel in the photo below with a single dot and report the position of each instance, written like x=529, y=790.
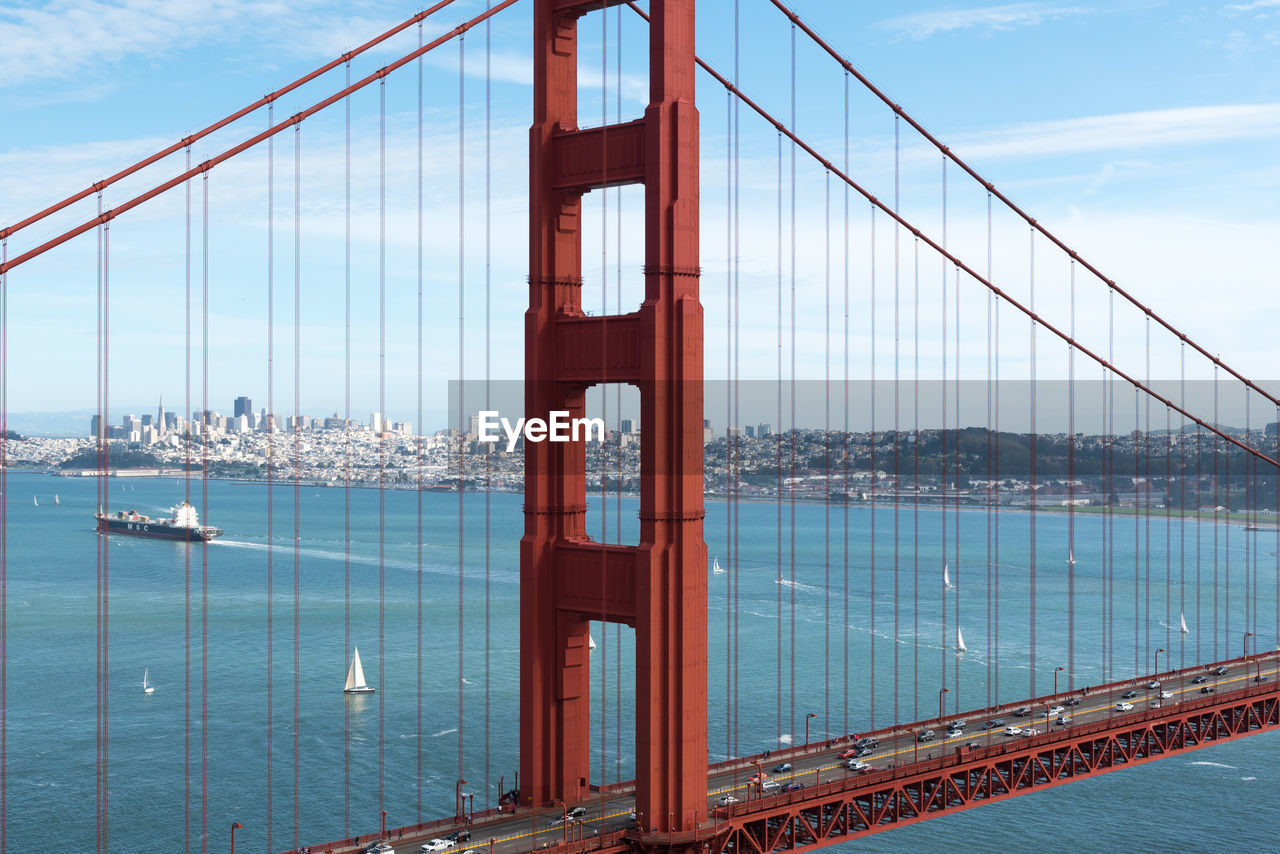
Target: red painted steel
x=658, y=586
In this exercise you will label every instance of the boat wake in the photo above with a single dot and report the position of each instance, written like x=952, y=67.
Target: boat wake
x=443, y=732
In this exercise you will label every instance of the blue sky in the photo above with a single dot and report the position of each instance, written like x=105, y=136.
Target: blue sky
x=1145, y=134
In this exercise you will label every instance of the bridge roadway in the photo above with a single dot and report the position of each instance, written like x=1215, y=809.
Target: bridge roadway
x=524, y=829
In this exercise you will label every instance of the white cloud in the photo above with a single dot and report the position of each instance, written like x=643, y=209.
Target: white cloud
x=66, y=37
x=921, y=25
x=1144, y=129
x=1254, y=6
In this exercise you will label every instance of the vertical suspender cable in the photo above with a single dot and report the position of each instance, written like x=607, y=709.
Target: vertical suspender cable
x=617, y=505
x=995, y=464
x=269, y=426
x=488, y=377
x=915, y=490
x=844, y=726
x=1146, y=510
x=826, y=431
x=297, y=484
x=204, y=553
x=419, y=443
x=346, y=463
x=946, y=642
x=1182, y=507
x=1031, y=441
x=4, y=550
x=1216, y=504
x=604, y=396
x=871, y=682
x=380, y=437
x=955, y=516
x=897, y=450
x=734, y=565
x=793, y=438
x=186, y=553
x=730, y=474
x=991, y=495
x=778, y=464
x=462, y=410
x=1071, y=486
x=102, y=508
x=1137, y=546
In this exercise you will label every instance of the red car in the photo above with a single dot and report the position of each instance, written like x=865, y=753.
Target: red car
x=847, y=754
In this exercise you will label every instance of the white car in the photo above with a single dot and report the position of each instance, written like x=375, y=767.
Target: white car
x=858, y=765
x=433, y=845
x=1153, y=684
x=1165, y=695
x=1013, y=730
x=1056, y=710
x=1030, y=731
x=726, y=800
x=379, y=848
x=1124, y=707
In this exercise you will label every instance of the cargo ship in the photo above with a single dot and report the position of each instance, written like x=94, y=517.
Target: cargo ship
x=184, y=524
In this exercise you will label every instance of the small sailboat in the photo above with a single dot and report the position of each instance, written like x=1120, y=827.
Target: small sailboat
x=1182, y=618
x=355, y=676
x=946, y=577
x=1071, y=557
x=960, y=647
x=591, y=642
x=147, y=687
x=55, y=499
x=35, y=502
x=715, y=565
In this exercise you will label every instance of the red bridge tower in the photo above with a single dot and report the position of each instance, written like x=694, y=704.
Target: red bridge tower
x=660, y=586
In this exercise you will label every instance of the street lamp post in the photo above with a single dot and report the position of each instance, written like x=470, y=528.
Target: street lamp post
x=941, y=702
x=759, y=779
x=457, y=799
x=234, y=826
x=807, y=718
x=1056, y=671
x=1158, y=651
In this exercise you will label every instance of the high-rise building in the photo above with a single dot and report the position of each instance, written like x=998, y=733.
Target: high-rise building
x=629, y=425
x=243, y=406
x=96, y=428
x=763, y=430
x=375, y=422
x=751, y=431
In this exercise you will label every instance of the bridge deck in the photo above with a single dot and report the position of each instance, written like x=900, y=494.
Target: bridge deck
x=908, y=779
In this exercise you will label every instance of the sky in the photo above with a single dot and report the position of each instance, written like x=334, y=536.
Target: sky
x=1143, y=134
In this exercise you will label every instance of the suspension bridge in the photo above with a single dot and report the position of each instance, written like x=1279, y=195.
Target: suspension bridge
x=927, y=431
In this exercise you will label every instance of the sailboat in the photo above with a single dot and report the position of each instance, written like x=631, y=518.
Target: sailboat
x=55, y=499
x=715, y=565
x=147, y=687
x=1071, y=556
x=1183, y=619
x=355, y=676
x=960, y=647
x=946, y=578
x=35, y=502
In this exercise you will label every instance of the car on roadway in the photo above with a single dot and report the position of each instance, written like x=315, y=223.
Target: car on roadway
x=462, y=835
x=867, y=741
x=1065, y=720
x=1022, y=711
x=1056, y=710
x=768, y=787
x=1207, y=689
x=1259, y=678
x=954, y=733
x=726, y=800
x=1199, y=680
x=1166, y=695
x=1124, y=707
x=792, y=787
x=1073, y=701
x=572, y=815
x=433, y=845
x=782, y=768
x=758, y=777
x=974, y=744
x=957, y=724
x=1155, y=704
x=994, y=724
x=858, y=765
x=1153, y=684
x=1013, y=730
x=847, y=754
x=1128, y=695
x=924, y=735
x=1030, y=731
x=1221, y=670
x=379, y=847
x=862, y=751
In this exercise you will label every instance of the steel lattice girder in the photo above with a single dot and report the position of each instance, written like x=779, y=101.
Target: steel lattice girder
x=835, y=811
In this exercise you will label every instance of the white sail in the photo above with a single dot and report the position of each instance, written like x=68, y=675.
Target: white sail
x=960, y=647
x=355, y=675
x=1071, y=556
x=1183, y=619
x=591, y=642
x=715, y=565
x=946, y=577
x=35, y=501
x=55, y=499
x=147, y=687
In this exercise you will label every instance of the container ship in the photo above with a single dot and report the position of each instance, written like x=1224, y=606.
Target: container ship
x=184, y=524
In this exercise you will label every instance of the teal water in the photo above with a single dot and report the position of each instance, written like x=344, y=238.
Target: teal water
x=203, y=748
